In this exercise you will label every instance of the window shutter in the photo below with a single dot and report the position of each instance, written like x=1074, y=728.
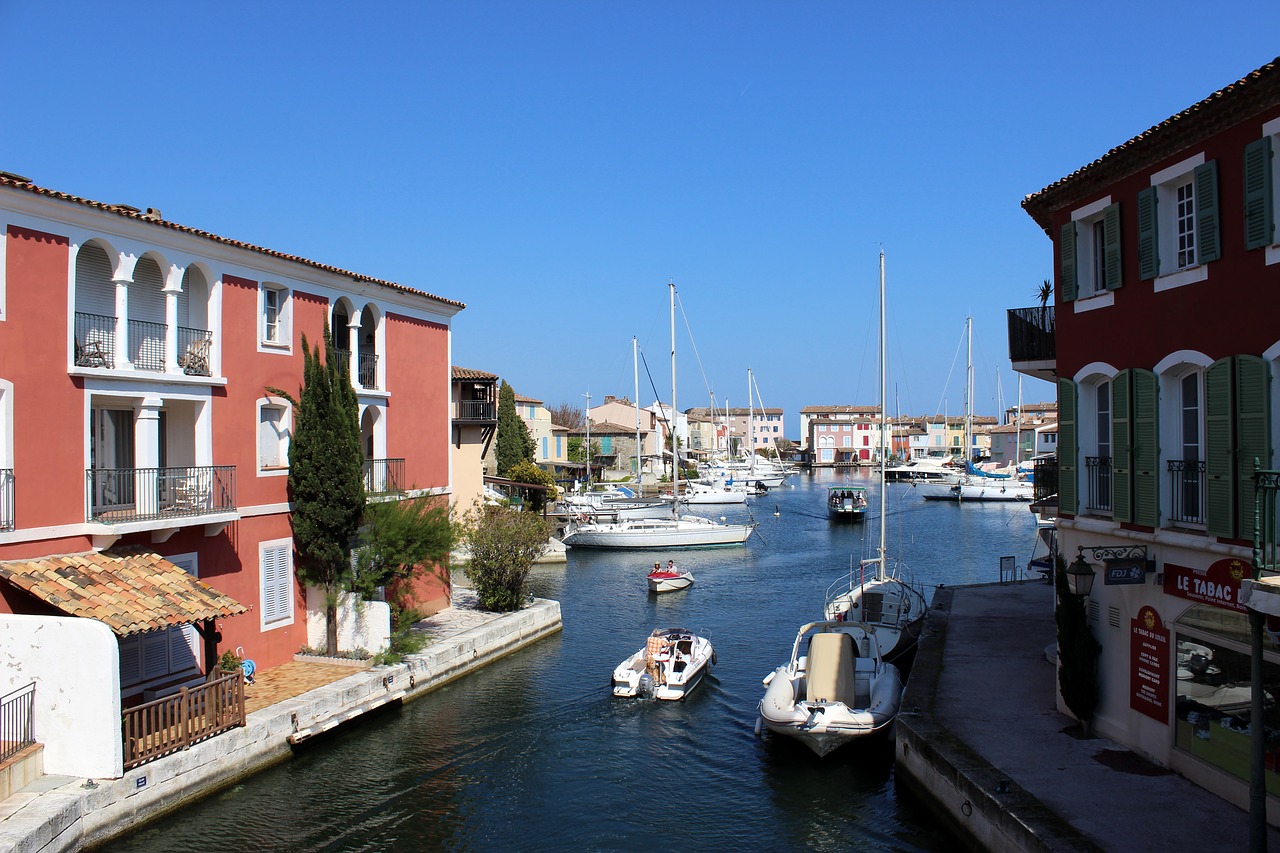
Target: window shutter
x=1252, y=433
x=1219, y=450
x=1121, y=449
x=1067, y=262
x=155, y=654
x=1068, y=481
x=1146, y=449
x=1259, y=215
x=1207, y=238
x=130, y=660
x=1111, y=248
x=277, y=602
x=1148, y=244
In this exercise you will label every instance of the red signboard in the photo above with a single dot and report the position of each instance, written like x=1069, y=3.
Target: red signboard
x=1149, y=665
x=1219, y=584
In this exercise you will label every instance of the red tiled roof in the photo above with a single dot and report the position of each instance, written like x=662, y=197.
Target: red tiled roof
x=1256, y=91
x=153, y=217
x=469, y=374
x=131, y=590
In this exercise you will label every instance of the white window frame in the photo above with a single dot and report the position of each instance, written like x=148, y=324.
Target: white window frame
x=286, y=422
x=288, y=583
x=4, y=244
x=1091, y=290
x=1167, y=181
x=283, y=341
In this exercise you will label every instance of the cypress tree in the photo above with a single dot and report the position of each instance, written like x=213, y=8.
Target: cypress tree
x=326, y=477
x=515, y=445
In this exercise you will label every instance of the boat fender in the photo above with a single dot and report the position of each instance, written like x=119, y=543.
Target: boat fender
x=714, y=659
x=759, y=725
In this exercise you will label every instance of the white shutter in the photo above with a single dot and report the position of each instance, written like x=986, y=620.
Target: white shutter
x=270, y=428
x=95, y=291
x=277, y=584
x=146, y=294
x=184, y=641
x=155, y=654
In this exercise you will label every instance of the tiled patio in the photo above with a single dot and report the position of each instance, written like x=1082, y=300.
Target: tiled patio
x=291, y=679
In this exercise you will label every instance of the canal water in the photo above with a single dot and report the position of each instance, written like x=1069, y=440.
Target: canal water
x=533, y=753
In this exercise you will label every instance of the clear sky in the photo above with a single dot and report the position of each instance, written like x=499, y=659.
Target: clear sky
x=554, y=164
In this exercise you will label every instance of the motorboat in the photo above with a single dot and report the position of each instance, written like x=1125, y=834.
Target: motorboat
x=919, y=469
x=687, y=531
x=708, y=493
x=969, y=489
x=847, y=503
x=668, y=666
x=877, y=593
x=835, y=689
x=669, y=579
x=617, y=503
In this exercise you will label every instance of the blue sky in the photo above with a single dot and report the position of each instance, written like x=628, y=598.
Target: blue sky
x=555, y=164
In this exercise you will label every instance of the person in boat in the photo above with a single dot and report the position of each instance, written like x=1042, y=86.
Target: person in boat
x=657, y=567
x=671, y=566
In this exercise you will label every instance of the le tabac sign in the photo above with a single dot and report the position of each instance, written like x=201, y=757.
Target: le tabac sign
x=1218, y=584
x=1149, y=665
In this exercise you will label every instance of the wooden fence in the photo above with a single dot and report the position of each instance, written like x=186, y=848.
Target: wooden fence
x=189, y=716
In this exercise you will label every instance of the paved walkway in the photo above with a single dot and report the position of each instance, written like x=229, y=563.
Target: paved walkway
x=991, y=690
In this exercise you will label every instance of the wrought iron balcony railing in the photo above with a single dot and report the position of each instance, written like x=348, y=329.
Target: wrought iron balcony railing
x=119, y=495
x=1098, y=478
x=1187, y=487
x=1031, y=334
x=146, y=344
x=477, y=410
x=195, y=346
x=17, y=721
x=1044, y=478
x=383, y=476
x=367, y=370
x=95, y=340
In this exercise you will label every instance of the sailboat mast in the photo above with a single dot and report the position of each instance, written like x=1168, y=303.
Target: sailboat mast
x=884, y=381
x=968, y=394
x=751, y=425
x=675, y=454
x=635, y=368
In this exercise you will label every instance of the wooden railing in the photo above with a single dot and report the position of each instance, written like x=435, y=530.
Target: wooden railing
x=176, y=722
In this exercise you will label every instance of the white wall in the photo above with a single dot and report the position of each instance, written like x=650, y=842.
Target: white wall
x=361, y=624
x=75, y=664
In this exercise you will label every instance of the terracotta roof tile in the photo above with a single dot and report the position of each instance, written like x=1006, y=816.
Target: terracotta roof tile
x=130, y=590
x=468, y=373
x=18, y=183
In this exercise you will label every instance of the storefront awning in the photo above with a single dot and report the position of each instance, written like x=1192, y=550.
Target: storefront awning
x=132, y=591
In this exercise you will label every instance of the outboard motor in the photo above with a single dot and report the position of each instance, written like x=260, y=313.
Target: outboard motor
x=645, y=688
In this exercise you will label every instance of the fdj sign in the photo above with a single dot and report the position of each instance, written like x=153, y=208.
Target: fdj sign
x=1126, y=571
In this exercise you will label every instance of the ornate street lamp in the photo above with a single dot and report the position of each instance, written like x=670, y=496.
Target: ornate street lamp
x=1080, y=576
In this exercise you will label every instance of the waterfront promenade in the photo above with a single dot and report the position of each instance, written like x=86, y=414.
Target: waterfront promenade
x=983, y=745
x=58, y=813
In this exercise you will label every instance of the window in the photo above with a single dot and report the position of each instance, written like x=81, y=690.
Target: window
x=1187, y=471
x=1178, y=223
x=274, y=427
x=1089, y=251
x=275, y=315
x=275, y=559
x=1260, y=192
x=544, y=447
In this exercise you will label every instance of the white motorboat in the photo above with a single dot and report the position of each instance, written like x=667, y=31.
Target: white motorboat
x=670, y=579
x=920, y=469
x=687, y=531
x=877, y=594
x=615, y=504
x=846, y=503
x=835, y=689
x=706, y=493
x=976, y=490
x=669, y=666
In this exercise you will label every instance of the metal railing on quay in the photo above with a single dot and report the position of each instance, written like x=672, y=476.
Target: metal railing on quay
x=117, y=495
x=176, y=722
x=17, y=721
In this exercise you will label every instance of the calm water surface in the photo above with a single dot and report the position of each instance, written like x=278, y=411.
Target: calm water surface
x=533, y=753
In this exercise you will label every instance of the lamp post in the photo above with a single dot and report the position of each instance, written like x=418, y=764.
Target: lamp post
x=1080, y=576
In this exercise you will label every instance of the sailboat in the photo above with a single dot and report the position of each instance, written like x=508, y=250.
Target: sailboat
x=975, y=484
x=687, y=531
x=872, y=593
x=838, y=686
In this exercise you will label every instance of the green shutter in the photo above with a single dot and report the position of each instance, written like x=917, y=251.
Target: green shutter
x=1121, y=449
x=1067, y=263
x=1068, y=479
x=1259, y=216
x=1253, y=431
x=1111, y=247
x=1148, y=242
x=1207, y=239
x=1146, y=449
x=1219, y=453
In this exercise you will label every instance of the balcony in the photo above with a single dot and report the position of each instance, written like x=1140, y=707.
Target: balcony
x=95, y=345
x=123, y=495
x=1032, y=342
x=383, y=477
x=1045, y=478
x=6, y=499
x=366, y=367
x=146, y=345
x=1098, y=484
x=477, y=411
x=95, y=340
x=1186, y=488
x=195, y=346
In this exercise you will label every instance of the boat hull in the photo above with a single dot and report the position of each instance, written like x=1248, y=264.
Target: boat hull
x=657, y=533
x=660, y=582
x=977, y=492
x=674, y=660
